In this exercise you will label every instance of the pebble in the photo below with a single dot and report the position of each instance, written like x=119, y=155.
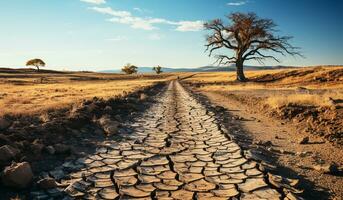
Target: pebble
x=50, y=149
x=4, y=123
x=18, y=175
x=62, y=149
x=326, y=168
x=47, y=183
x=304, y=140
x=7, y=153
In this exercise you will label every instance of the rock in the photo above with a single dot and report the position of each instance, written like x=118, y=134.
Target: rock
x=122, y=131
x=266, y=143
x=304, y=140
x=254, y=155
x=292, y=196
x=78, y=118
x=4, y=140
x=235, y=117
x=57, y=174
x=118, y=118
x=131, y=106
x=4, y=124
x=132, y=100
x=37, y=148
x=111, y=129
x=301, y=89
x=105, y=119
x=44, y=117
x=303, y=153
x=62, y=148
x=264, y=166
x=7, y=153
x=108, y=109
x=143, y=97
x=47, y=183
x=98, y=131
x=19, y=144
x=75, y=187
x=18, y=175
x=50, y=149
x=70, y=166
x=331, y=168
x=76, y=131
x=91, y=108
x=109, y=126
x=281, y=182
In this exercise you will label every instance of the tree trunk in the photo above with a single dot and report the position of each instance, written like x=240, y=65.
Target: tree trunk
x=37, y=68
x=240, y=72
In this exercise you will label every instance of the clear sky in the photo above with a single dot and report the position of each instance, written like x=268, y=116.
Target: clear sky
x=106, y=34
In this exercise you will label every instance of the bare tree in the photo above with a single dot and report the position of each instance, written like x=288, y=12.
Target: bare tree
x=157, y=69
x=250, y=37
x=36, y=62
x=129, y=69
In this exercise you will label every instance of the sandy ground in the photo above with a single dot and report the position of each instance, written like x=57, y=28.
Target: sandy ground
x=284, y=137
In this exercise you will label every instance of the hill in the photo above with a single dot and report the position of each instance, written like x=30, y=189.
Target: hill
x=201, y=69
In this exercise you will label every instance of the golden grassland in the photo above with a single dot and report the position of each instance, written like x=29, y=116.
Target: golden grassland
x=315, y=86
x=321, y=100
x=31, y=92
x=28, y=92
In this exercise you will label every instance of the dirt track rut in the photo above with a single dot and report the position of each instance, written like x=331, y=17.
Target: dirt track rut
x=177, y=151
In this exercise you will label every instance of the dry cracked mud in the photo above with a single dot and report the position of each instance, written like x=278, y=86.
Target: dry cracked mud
x=177, y=151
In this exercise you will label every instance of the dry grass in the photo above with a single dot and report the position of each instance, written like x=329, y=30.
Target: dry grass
x=303, y=86
x=323, y=100
x=23, y=94
x=281, y=78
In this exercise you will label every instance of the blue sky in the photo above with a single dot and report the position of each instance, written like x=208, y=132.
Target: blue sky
x=106, y=34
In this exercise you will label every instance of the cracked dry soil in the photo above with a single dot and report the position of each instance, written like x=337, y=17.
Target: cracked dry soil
x=177, y=151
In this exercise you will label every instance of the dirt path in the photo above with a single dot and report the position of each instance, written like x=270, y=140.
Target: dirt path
x=280, y=141
x=177, y=151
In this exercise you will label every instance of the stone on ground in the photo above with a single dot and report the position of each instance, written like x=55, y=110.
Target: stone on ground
x=18, y=175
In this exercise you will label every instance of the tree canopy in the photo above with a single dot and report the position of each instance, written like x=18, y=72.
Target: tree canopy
x=129, y=69
x=36, y=62
x=249, y=37
x=157, y=69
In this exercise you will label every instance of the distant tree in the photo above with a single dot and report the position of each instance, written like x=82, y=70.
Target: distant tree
x=36, y=62
x=157, y=69
x=129, y=69
x=249, y=37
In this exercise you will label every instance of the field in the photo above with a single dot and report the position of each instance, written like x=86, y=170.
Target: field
x=291, y=94
x=26, y=92
x=309, y=86
x=52, y=110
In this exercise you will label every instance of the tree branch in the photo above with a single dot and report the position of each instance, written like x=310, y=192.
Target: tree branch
x=221, y=58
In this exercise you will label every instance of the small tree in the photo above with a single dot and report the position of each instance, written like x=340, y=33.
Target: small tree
x=36, y=62
x=249, y=37
x=129, y=69
x=157, y=69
